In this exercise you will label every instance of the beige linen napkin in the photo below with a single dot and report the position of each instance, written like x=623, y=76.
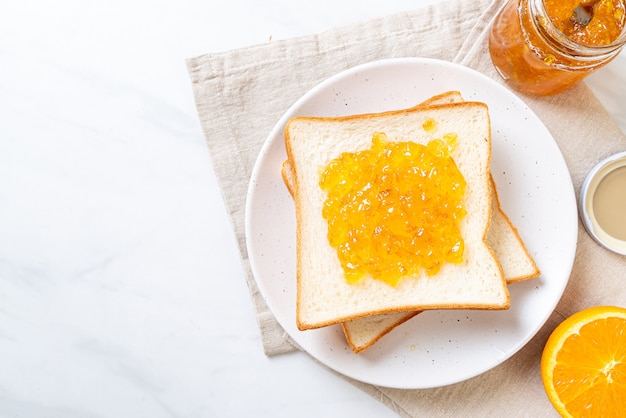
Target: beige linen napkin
x=241, y=94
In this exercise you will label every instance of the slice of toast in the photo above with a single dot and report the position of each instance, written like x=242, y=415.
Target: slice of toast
x=503, y=237
x=324, y=297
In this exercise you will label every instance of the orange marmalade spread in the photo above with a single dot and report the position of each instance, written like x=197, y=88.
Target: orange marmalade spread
x=535, y=59
x=394, y=209
x=605, y=26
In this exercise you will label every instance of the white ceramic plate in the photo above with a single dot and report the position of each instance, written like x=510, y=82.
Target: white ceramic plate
x=435, y=348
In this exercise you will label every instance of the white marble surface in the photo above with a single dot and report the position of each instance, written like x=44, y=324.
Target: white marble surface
x=121, y=291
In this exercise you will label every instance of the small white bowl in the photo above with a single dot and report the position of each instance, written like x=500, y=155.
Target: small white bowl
x=587, y=193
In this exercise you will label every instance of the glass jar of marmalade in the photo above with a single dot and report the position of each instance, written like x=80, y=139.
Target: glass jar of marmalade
x=543, y=47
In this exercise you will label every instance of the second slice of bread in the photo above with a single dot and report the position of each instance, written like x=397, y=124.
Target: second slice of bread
x=324, y=297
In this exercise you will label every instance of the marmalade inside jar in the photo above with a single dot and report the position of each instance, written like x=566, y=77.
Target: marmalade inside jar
x=394, y=210
x=605, y=26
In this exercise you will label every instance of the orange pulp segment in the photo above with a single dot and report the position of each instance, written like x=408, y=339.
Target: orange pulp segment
x=583, y=366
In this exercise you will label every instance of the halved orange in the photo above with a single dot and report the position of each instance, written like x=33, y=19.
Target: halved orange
x=583, y=366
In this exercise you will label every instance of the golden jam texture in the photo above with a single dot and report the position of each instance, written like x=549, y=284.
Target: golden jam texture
x=605, y=26
x=394, y=210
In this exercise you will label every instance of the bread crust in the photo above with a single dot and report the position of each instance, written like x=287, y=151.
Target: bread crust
x=533, y=269
x=358, y=348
